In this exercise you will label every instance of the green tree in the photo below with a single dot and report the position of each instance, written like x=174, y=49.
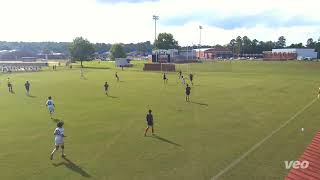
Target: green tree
x=239, y=44
x=298, y=45
x=254, y=46
x=117, y=51
x=232, y=45
x=269, y=45
x=166, y=41
x=281, y=43
x=311, y=43
x=246, y=45
x=317, y=47
x=81, y=49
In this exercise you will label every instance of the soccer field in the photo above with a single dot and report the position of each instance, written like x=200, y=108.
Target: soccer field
x=233, y=107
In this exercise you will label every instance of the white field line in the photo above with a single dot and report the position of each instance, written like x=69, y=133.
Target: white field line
x=253, y=148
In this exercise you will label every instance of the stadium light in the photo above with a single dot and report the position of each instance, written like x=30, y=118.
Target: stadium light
x=155, y=18
x=200, y=28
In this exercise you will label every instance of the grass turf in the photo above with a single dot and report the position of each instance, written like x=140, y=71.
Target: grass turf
x=233, y=106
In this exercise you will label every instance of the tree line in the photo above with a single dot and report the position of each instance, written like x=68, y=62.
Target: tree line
x=63, y=47
x=244, y=45
x=239, y=45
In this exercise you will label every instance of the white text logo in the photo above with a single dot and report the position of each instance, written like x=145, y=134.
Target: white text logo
x=296, y=164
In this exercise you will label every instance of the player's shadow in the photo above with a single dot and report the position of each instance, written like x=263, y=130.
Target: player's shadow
x=201, y=104
x=113, y=97
x=165, y=140
x=73, y=167
x=55, y=120
x=31, y=96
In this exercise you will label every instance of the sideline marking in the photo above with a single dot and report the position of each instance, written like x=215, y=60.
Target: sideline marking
x=253, y=148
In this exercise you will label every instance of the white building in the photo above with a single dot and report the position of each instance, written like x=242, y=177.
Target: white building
x=302, y=53
x=123, y=62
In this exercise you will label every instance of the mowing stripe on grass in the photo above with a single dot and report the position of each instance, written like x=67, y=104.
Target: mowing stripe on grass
x=253, y=148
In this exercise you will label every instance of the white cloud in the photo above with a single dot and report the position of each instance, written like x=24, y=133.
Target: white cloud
x=62, y=20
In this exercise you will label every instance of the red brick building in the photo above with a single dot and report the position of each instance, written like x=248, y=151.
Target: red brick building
x=279, y=56
x=214, y=53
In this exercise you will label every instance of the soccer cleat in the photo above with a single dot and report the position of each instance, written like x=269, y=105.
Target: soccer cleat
x=63, y=155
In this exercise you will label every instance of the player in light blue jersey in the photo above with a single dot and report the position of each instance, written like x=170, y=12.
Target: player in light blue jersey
x=50, y=106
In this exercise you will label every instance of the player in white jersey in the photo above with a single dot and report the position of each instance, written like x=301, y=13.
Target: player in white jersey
x=50, y=106
x=58, y=140
x=183, y=80
x=319, y=93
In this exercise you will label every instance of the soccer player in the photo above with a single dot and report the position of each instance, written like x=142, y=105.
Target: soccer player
x=27, y=86
x=10, y=85
x=106, y=87
x=50, y=106
x=81, y=73
x=165, y=79
x=319, y=93
x=183, y=80
x=188, y=91
x=58, y=140
x=116, y=74
x=180, y=74
x=149, y=119
x=191, y=78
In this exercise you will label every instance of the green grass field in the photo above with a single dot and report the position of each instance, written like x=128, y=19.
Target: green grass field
x=233, y=106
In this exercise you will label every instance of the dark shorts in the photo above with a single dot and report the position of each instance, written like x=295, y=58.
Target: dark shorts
x=150, y=123
x=187, y=93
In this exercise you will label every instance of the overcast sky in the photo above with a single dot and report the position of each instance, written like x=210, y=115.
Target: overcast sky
x=129, y=21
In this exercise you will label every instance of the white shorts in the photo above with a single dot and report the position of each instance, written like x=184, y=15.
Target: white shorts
x=51, y=109
x=58, y=142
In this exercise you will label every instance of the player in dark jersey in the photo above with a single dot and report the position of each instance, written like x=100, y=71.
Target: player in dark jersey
x=191, y=78
x=165, y=79
x=117, y=77
x=180, y=74
x=106, y=87
x=10, y=88
x=27, y=86
x=149, y=119
x=188, y=91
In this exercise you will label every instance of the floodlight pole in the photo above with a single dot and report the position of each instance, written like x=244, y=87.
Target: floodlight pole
x=155, y=18
x=200, y=28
